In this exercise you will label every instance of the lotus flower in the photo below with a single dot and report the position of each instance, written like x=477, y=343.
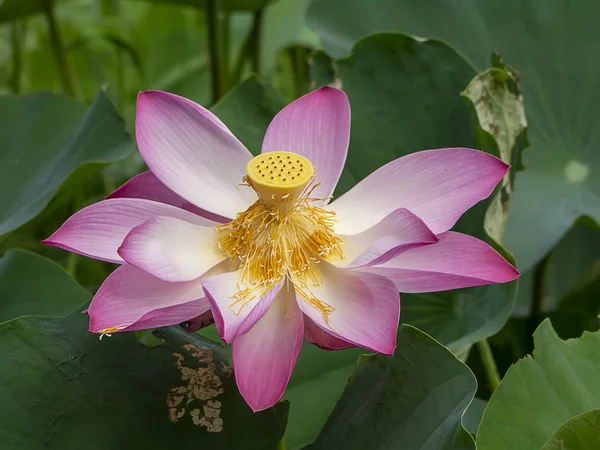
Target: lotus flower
x=257, y=240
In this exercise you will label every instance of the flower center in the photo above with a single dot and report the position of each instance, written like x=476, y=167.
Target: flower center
x=279, y=178
x=283, y=233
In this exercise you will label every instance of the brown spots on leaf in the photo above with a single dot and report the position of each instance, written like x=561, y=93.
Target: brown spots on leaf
x=209, y=418
x=197, y=395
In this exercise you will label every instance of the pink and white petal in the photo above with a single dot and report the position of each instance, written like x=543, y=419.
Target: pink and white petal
x=456, y=261
x=397, y=232
x=172, y=315
x=233, y=316
x=131, y=299
x=316, y=126
x=172, y=249
x=146, y=185
x=436, y=185
x=366, y=307
x=321, y=338
x=98, y=230
x=191, y=154
x=264, y=357
x=201, y=109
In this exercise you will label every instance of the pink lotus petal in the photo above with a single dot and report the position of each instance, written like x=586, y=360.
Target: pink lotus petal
x=316, y=126
x=99, y=230
x=192, y=154
x=131, y=299
x=321, y=338
x=234, y=317
x=366, y=307
x=172, y=249
x=436, y=185
x=201, y=109
x=397, y=232
x=456, y=261
x=172, y=315
x=146, y=185
x=265, y=356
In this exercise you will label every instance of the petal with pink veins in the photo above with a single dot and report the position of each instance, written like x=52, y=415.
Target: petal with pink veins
x=316, y=126
x=456, y=261
x=436, y=185
x=131, y=299
x=235, y=316
x=98, y=230
x=322, y=339
x=172, y=249
x=201, y=109
x=264, y=357
x=397, y=232
x=146, y=185
x=192, y=154
x=366, y=307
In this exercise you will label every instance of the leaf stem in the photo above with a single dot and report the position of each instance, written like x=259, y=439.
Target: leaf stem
x=255, y=34
x=58, y=47
x=250, y=49
x=225, y=47
x=72, y=260
x=281, y=445
x=214, y=47
x=16, y=36
x=301, y=70
x=489, y=364
x=110, y=8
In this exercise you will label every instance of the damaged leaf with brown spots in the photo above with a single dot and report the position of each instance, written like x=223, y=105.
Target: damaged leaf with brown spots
x=80, y=392
x=498, y=106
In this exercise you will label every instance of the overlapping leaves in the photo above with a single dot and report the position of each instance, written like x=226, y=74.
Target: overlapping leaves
x=538, y=395
x=537, y=39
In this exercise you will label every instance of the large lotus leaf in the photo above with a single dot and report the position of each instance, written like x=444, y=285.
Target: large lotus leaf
x=316, y=384
x=44, y=138
x=572, y=262
x=582, y=432
x=571, y=283
x=537, y=39
x=472, y=417
x=63, y=388
x=570, y=296
x=32, y=285
x=579, y=309
x=461, y=317
x=414, y=400
x=537, y=395
x=405, y=97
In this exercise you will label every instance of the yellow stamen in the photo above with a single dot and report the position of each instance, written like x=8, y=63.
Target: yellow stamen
x=283, y=234
x=108, y=331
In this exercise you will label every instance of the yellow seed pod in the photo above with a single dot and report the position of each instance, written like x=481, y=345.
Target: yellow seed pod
x=279, y=177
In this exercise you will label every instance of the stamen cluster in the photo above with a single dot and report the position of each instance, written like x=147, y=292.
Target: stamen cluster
x=270, y=245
